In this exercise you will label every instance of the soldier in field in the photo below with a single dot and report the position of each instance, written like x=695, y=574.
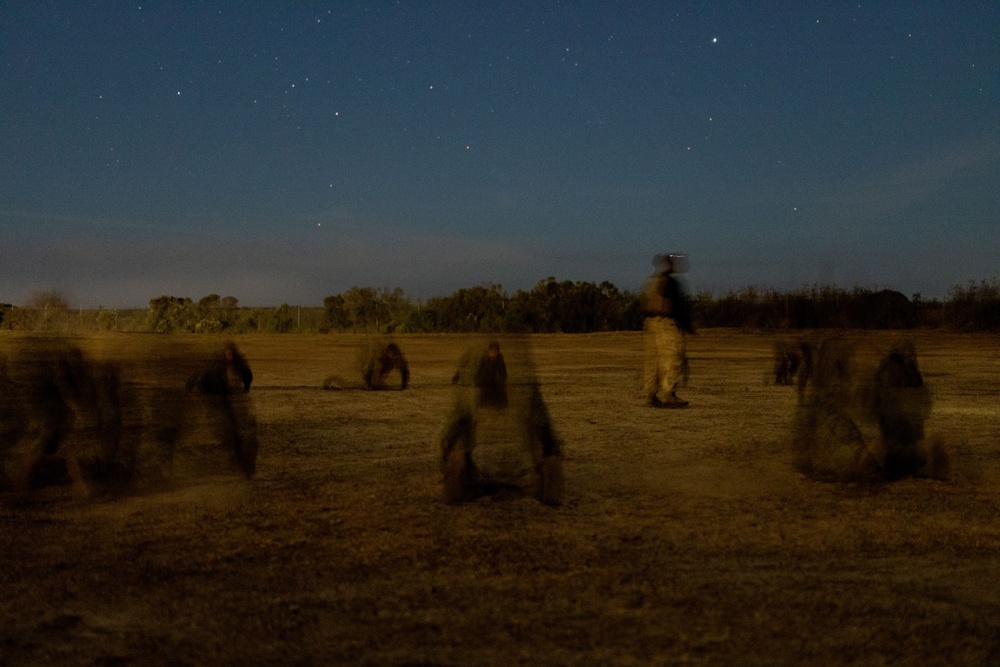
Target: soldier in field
x=667, y=313
x=63, y=413
x=223, y=385
x=224, y=373
x=793, y=363
x=498, y=435
x=380, y=363
x=865, y=423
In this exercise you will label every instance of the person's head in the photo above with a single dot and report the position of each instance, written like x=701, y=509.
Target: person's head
x=670, y=263
x=664, y=263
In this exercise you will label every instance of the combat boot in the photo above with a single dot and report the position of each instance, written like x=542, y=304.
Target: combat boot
x=673, y=402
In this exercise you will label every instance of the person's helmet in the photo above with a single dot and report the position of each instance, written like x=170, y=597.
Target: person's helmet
x=678, y=262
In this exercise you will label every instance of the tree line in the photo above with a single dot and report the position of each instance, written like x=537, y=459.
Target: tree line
x=551, y=306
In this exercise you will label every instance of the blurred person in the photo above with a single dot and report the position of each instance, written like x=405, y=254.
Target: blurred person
x=793, y=364
x=667, y=313
x=380, y=361
x=223, y=385
x=380, y=364
x=63, y=416
x=499, y=435
x=487, y=371
x=226, y=372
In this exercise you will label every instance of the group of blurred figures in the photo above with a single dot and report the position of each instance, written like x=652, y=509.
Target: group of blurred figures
x=100, y=422
x=860, y=412
x=854, y=421
x=69, y=416
x=498, y=435
x=859, y=416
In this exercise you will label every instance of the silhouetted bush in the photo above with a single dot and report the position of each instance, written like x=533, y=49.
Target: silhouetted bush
x=551, y=306
x=974, y=307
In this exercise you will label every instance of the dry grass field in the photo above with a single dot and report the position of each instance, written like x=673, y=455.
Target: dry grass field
x=686, y=536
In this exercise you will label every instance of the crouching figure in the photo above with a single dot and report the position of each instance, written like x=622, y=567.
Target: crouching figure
x=865, y=421
x=61, y=414
x=793, y=364
x=380, y=362
x=222, y=387
x=498, y=435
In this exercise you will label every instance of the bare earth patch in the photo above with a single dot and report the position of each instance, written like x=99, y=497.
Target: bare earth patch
x=686, y=536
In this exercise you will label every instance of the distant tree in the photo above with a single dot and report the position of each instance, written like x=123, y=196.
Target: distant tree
x=885, y=309
x=335, y=316
x=51, y=312
x=439, y=313
x=215, y=313
x=281, y=320
x=252, y=320
x=393, y=309
x=168, y=314
x=229, y=311
x=421, y=319
x=473, y=309
x=208, y=314
x=361, y=306
x=107, y=320
x=21, y=319
x=367, y=309
x=210, y=302
x=550, y=306
x=614, y=310
x=976, y=306
x=45, y=300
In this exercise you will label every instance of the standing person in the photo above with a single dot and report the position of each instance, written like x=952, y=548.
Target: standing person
x=667, y=318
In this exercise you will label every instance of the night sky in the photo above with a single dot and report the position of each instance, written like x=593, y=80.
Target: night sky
x=283, y=152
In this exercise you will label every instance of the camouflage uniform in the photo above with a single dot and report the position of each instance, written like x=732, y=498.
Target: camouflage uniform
x=667, y=318
x=524, y=450
x=665, y=358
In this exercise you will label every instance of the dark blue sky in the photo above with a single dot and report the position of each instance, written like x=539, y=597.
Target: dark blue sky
x=283, y=152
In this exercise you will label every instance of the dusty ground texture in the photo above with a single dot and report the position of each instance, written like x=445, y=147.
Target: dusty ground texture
x=686, y=537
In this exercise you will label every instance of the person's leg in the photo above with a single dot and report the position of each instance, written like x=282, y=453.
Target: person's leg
x=671, y=343
x=651, y=361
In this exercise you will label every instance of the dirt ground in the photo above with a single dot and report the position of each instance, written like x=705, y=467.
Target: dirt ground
x=686, y=536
